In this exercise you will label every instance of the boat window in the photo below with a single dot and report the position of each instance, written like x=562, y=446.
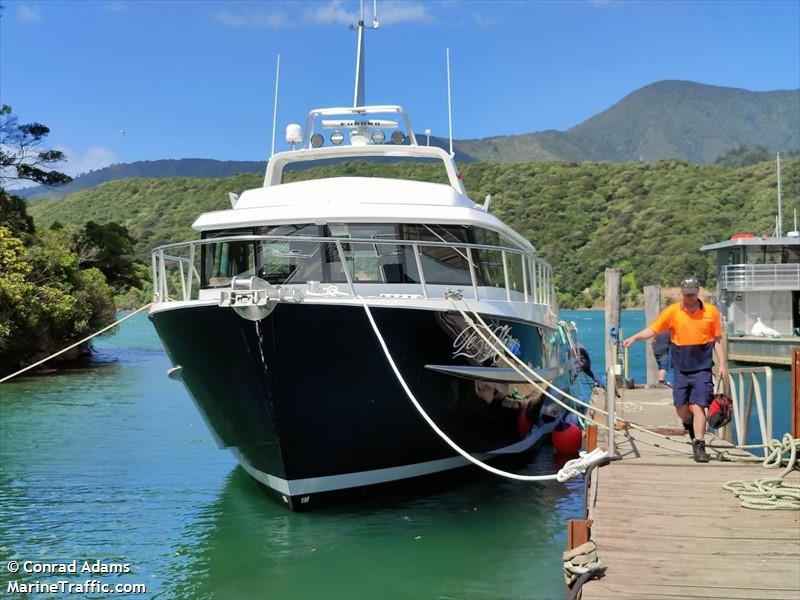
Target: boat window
x=755, y=255
x=305, y=229
x=515, y=270
x=225, y=260
x=773, y=255
x=791, y=255
x=285, y=261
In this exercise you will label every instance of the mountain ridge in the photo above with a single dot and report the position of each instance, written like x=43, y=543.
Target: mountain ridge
x=680, y=119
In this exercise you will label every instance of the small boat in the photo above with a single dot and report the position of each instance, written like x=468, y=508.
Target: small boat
x=263, y=317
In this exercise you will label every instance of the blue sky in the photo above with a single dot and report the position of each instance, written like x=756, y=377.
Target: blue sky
x=195, y=79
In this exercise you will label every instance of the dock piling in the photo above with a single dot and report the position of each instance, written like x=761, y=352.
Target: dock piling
x=652, y=306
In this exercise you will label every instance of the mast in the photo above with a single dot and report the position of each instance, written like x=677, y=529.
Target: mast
x=358, y=93
x=780, y=221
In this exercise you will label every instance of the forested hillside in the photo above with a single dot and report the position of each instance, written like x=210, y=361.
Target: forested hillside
x=647, y=218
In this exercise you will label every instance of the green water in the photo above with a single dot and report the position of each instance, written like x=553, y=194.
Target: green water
x=113, y=462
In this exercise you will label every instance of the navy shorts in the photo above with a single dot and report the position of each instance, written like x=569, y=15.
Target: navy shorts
x=692, y=387
x=663, y=361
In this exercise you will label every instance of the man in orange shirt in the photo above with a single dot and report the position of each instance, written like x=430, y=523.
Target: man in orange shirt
x=695, y=331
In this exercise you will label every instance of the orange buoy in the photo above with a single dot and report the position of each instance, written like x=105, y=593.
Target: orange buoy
x=567, y=440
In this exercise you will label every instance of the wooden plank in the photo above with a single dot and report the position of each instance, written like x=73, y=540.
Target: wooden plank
x=796, y=392
x=612, y=279
x=666, y=528
x=652, y=307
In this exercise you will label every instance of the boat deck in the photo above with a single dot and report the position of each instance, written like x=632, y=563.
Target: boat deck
x=666, y=528
x=762, y=350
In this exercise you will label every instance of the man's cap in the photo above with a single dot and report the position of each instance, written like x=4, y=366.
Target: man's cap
x=690, y=285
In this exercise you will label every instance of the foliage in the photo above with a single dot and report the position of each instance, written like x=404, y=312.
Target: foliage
x=649, y=219
x=743, y=156
x=110, y=248
x=21, y=158
x=46, y=300
x=14, y=216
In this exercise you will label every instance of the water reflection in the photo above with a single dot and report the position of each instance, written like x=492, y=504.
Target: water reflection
x=480, y=538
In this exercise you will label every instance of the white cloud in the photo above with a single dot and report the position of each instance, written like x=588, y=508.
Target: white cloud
x=332, y=13
x=482, y=20
x=114, y=6
x=28, y=14
x=254, y=20
x=94, y=158
x=404, y=12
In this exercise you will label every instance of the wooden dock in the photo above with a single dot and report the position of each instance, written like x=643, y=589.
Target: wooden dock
x=665, y=527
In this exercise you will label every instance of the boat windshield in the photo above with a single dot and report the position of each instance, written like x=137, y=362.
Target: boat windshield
x=375, y=255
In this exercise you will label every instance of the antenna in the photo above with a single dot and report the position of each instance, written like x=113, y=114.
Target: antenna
x=275, y=105
x=358, y=93
x=449, y=105
x=780, y=221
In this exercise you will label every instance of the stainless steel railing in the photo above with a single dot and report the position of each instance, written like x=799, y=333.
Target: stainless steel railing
x=176, y=268
x=748, y=386
x=743, y=278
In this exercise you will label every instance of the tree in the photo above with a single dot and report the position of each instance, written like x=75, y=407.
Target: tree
x=14, y=215
x=21, y=157
x=110, y=248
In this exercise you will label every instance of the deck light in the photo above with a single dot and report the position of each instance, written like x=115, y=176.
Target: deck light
x=398, y=137
x=378, y=137
x=317, y=140
x=337, y=137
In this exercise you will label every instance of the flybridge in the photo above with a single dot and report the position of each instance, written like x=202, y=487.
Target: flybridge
x=363, y=129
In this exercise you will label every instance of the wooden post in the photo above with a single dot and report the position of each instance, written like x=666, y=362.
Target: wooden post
x=591, y=437
x=578, y=532
x=611, y=316
x=652, y=306
x=796, y=392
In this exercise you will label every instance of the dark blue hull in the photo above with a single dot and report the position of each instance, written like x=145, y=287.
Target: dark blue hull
x=309, y=405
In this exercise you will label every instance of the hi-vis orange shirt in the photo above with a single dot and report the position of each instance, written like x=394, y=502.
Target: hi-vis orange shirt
x=692, y=335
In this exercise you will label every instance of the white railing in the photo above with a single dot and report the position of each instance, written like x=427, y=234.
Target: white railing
x=176, y=267
x=744, y=278
x=748, y=386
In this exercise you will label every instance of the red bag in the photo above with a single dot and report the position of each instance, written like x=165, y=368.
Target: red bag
x=720, y=411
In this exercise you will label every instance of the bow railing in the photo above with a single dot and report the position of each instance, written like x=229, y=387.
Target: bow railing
x=357, y=266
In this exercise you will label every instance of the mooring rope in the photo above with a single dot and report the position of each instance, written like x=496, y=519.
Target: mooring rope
x=78, y=343
x=580, y=565
x=498, y=346
x=772, y=493
x=571, y=469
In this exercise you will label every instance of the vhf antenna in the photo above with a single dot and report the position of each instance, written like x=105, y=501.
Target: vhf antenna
x=275, y=105
x=358, y=93
x=449, y=106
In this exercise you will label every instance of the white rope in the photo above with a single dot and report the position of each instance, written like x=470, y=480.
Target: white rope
x=498, y=346
x=773, y=493
x=581, y=559
x=78, y=343
x=571, y=469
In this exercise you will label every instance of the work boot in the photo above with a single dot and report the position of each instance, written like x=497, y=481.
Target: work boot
x=700, y=454
x=689, y=427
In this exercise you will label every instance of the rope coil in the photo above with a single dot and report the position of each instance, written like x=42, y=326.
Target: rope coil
x=772, y=493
